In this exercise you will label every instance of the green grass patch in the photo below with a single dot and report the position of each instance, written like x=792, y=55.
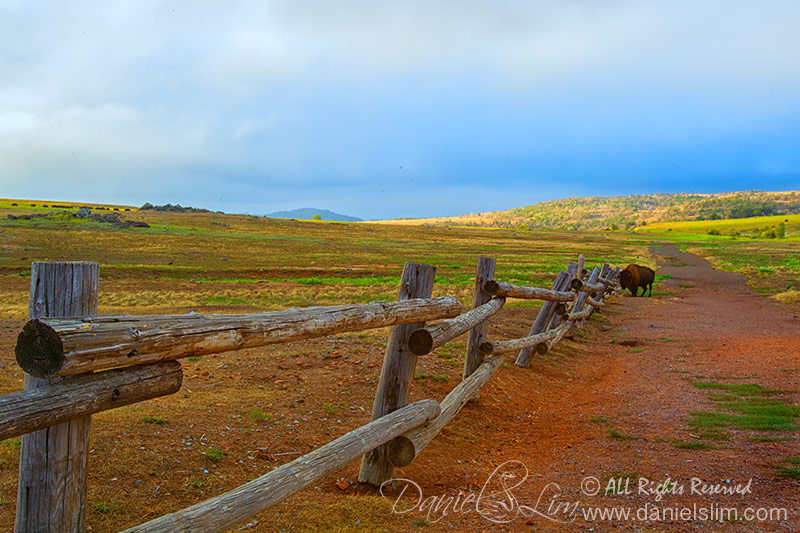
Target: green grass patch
x=420, y=376
x=723, y=397
x=769, y=438
x=332, y=280
x=598, y=420
x=616, y=434
x=227, y=280
x=259, y=415
x=154, y=420
x=714, y=433
x=702, y=419
x=13, y=443
x=789, y=471
x=214, y=453
x=101, y=507
x=224, y=300
x=762, y=407
x=694, y=445
x=742, y=389
x=767, y=290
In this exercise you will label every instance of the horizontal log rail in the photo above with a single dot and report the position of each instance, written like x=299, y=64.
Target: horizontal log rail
x=424, y=340
x=67, y=346
x=609, y=283
x=585, y=286
x=561, y=330
x=403, y=449
x=236, y=506
x=500, y=288
x=531, y=341
x=596, y=303
x=33, y=409
x=580, y=315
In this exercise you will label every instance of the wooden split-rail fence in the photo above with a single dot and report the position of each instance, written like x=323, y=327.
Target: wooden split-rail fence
x=78, y=363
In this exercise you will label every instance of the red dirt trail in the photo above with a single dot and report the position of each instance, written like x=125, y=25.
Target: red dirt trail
x=637, y=383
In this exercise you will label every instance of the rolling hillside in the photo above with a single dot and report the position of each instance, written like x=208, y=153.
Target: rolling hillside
x=627, y=212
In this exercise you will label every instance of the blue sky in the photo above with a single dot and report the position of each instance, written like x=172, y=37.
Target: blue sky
x=395, y=109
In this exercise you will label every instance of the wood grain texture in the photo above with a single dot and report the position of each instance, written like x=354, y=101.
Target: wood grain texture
x=585, y=286
x=397, y=371
x=531, y=341
x=51, y=493
x=578, y=312
x=34, y=409
x=236, y=506
x=500, y=288
x=561, y=330
x=558, y=317
x=477, y=335
x=403, y=449
x=543, y=319
x=424, y=340
x=61, y=347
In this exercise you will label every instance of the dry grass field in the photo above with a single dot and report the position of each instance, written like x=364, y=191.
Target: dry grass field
x=239, y=414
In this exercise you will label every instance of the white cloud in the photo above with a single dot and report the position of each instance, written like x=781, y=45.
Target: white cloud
x=262, y=93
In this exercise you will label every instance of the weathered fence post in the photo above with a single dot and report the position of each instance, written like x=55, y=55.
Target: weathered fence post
x=397, y=371
x=52, y=465
x=543, y=319
x=477, y=335
x=572, y=269
x=581, y=271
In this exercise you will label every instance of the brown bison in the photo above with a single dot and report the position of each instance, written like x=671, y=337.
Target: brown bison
x=635, y=276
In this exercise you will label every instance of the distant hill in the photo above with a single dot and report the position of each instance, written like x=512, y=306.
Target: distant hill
x=627, y=212
x=307, y=213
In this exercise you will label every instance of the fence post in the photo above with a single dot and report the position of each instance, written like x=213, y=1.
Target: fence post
x=52, y=466
x=543, y=319
x=397, y=370
x=581, y=271
x=477, y=335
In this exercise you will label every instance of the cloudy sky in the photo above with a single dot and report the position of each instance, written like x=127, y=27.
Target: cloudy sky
x=389, y=109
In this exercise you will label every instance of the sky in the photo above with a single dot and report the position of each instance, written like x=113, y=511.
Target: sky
x=382, y=109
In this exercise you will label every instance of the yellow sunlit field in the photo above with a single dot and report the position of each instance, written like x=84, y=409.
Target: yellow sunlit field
x=728, y=227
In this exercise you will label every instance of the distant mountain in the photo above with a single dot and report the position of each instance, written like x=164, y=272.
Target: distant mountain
x=626, y=212
x=307, y=213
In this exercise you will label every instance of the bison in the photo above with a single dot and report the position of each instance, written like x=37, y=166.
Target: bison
x=635, y=276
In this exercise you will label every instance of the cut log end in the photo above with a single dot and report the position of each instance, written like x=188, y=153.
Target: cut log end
x=576, y=284
x=491, y=286
x=486, y=348
x=420, y=342
x=39, y=350
x=400, y=451
x=561, y=309
x=542, y=348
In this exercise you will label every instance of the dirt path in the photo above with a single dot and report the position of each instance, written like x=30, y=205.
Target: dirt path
x=619, y=406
